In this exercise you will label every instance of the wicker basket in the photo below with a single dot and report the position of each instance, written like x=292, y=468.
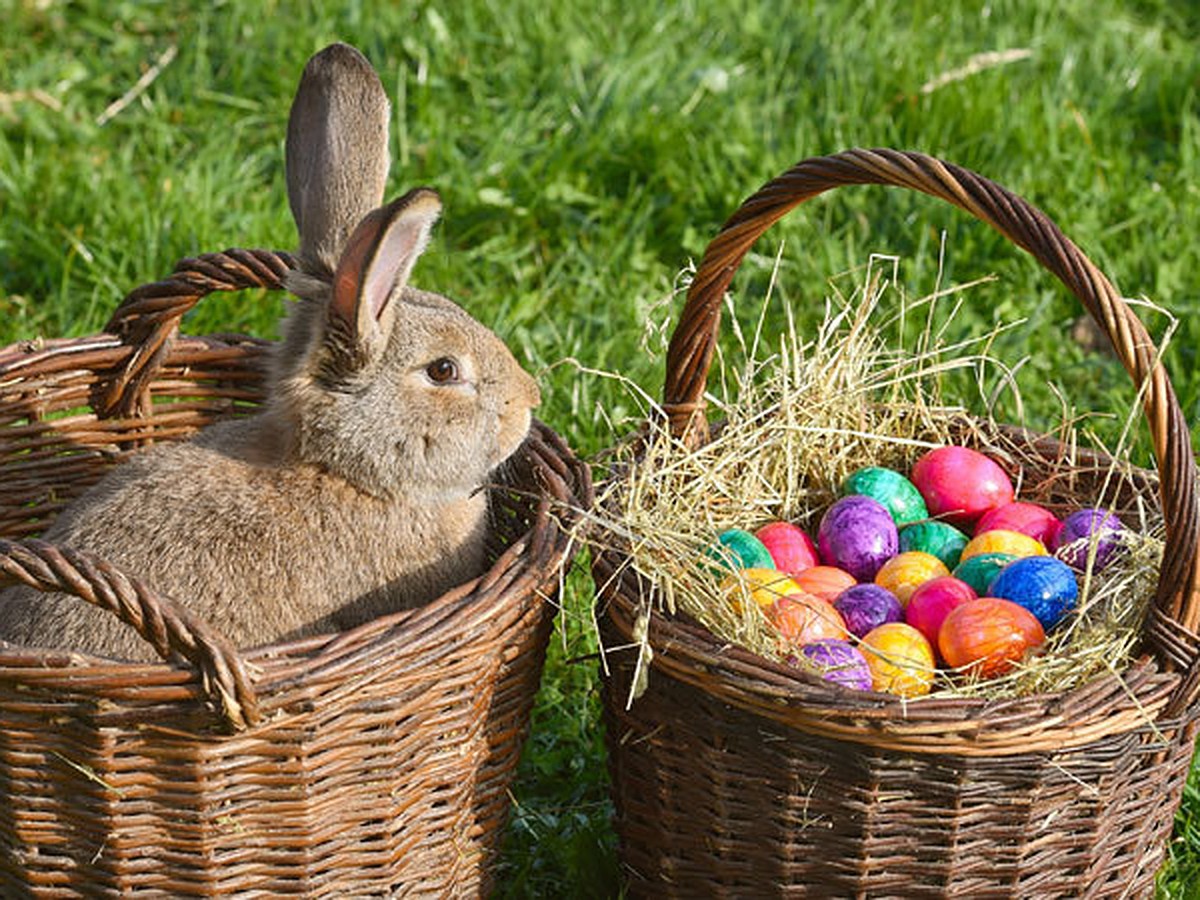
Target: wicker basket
x=371, y=763
x=737, y=777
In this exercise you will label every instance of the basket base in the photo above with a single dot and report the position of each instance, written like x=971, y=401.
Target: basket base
x=715, y=801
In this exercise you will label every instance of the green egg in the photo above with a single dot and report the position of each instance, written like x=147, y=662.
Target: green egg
x=978, y=571
x=741, y=550
x=897, y=494
x=941, y=539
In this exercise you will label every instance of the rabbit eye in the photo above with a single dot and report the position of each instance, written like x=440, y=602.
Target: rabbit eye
x=442, y=370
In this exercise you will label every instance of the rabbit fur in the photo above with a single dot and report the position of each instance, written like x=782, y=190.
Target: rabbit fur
x=358, y=488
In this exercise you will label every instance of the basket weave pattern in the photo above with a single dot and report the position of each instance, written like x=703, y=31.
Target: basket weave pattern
x=736, y=776
x=369, y=763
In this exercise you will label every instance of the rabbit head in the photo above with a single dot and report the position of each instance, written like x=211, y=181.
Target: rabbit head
x=398, y=391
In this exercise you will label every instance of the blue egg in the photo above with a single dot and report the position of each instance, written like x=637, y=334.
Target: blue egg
x=1042, y=584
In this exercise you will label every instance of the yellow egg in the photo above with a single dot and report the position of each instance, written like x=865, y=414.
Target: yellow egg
x=905, y=572
x=900, y=659
x=763, y=586
x=1002, y=540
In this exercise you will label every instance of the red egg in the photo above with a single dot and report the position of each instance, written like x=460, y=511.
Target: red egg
x=826, y=582
x=960, y=484
x=986, y=636
x=1027, y=518
x=792, y=549
x=802, y=619
x=932, y=601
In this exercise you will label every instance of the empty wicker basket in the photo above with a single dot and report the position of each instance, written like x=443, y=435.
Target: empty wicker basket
x=737, y=777
x=371, y=763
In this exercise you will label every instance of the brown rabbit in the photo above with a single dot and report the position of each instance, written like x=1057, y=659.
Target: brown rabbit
x=357, y=489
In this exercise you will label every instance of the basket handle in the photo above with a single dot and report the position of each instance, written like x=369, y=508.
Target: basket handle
x=149, y=316
x=689, y=356
x=169, y=629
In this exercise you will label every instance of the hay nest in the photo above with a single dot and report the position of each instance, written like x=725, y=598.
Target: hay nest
x=799, y=418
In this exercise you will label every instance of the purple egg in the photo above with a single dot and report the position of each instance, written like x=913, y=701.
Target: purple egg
x=857, y=534
x=866, y=605
x=839, y=662
x=1075, y=538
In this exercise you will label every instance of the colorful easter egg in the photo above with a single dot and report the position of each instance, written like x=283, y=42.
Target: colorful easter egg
x=739, y=549
x=763, y=586
x=941, y=539
x=1085, y=532
x=960, y=484
x=1042, y=584
x=978, y=571
x=902, y=573
x=826, y=582
x=857, y=534
x=900, y=659
x=931, y=603
x=1028, y=518
x=898, y=495
x=839, y=662
x=865, y=606
x=792, y=550
x=1003, y=541
x=985, y=637
x=802, y=618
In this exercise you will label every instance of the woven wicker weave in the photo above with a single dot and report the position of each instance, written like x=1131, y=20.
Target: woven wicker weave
x=371, y=763
x=736, y=777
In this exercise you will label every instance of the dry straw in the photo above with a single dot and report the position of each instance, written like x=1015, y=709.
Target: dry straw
x=801, y=416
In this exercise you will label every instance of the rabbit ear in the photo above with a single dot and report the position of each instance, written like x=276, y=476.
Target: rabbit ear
x=337, y=151
x=377, y=261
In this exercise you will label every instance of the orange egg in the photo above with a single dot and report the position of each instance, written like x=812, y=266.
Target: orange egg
x=825, y=582
x=763, y=586
x=905, y=572
x=986, y=636
x=900, y=659
x=1002, y=540
x=803, y=618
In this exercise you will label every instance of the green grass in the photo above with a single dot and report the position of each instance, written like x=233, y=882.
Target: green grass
x=585, y=152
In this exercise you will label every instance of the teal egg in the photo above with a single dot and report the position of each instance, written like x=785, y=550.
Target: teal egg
x=741, y=550
x=897, y=494
x=978, y=571
x=941, y=539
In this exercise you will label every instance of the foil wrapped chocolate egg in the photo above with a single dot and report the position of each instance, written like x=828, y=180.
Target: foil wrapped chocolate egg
x=1028, y=518
x=837, y=661
x=900, y=659
x=986, y=637
x=960, y=484
x=826, y=582
x=857, y=534
x=941, y=539
x=897, y=494
x=903, y=573
x=1042, y=584
x=790, y=547
x=864, y=606
x=803, y=618
x=1003, y=541
x=737, y=548
x=931, y=602
x=978, y=571
x=1088, y=532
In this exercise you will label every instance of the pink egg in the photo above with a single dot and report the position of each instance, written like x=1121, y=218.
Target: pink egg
x=1027, y=518
x=960, y=484
x=931, y=603
x=792, y=550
